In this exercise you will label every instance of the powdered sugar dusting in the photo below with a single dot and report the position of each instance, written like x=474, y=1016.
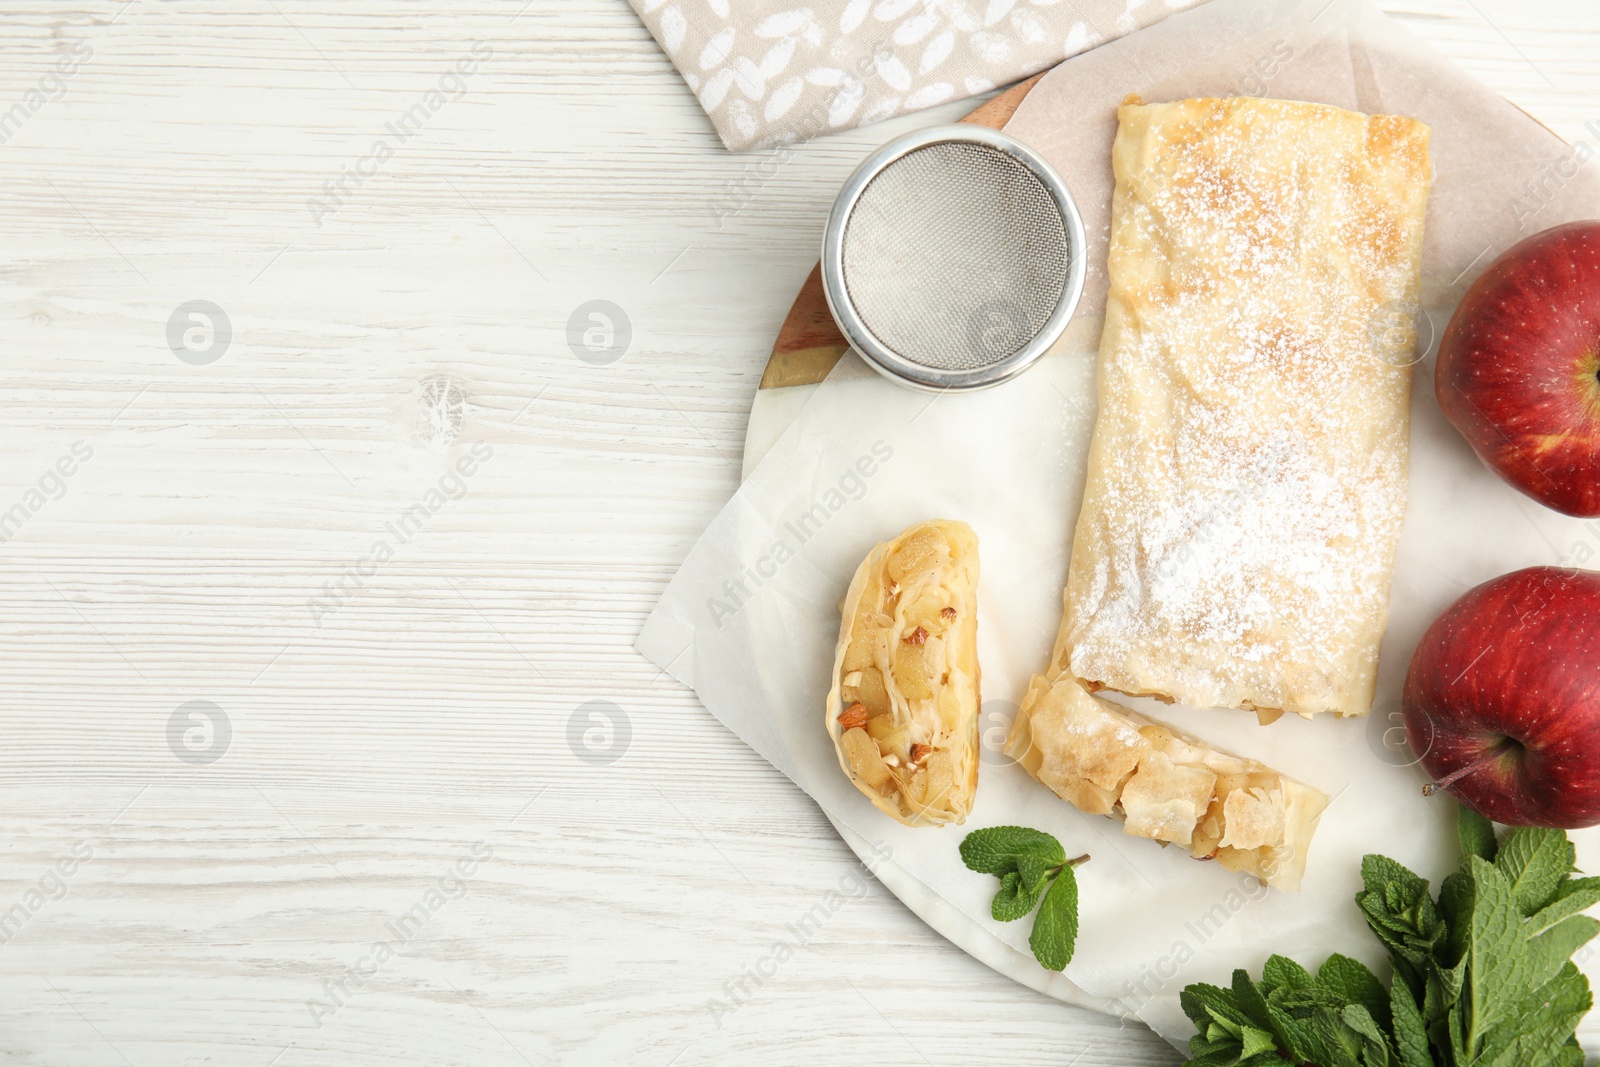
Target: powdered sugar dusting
x=1247, y=477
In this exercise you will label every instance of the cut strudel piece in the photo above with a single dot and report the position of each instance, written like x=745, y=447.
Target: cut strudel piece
x=1165, y=785
x=903, y=711
x=1247, y=477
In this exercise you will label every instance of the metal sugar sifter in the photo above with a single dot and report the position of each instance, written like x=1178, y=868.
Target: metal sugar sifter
x=953, y=258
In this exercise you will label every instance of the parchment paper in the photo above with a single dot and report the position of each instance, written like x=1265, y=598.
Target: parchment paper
x=751, y=618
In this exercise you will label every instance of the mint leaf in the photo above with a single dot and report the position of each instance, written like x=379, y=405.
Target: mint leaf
x=1379, y=873
x=1224, y=1029
x=1409, y=1030
x=1035, y=871
x=1475, y=833
x=1203, y=1002
x=1398, y=909
x=1282, y=972
x=1503, y=999
x=1025, y=861
x=1015, y=899
x=1548, y=951
x=1055, y=928
x=1275, y=1011
x=1351, y=980
x=1537, y=1031
x=1361, y=1022
x=997, y=850
x=1250, y=999
x=1495, y=956
x=1572, y=896
x=1253, y=1042
x=1535, y=860
x=1455, y=905
x=1482, y=975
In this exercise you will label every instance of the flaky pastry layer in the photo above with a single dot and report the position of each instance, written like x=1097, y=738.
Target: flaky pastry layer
x=1165, y=784
x=1247, y=477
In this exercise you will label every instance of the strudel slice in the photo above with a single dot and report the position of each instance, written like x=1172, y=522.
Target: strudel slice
x=1164, y=784
x=903, y=711
x=1247, y=477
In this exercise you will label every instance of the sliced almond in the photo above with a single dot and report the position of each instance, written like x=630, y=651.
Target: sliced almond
x=853, y=717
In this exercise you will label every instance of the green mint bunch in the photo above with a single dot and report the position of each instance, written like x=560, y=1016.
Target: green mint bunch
x=1030, y=864
x=1482, y=973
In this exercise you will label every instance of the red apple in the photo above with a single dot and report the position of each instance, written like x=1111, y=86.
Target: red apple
x=1519, y=367
x=1502, y=700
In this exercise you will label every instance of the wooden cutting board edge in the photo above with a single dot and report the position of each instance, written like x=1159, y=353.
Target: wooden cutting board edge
x=809, y=342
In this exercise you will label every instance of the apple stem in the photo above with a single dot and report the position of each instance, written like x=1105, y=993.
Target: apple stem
x=1461, y=772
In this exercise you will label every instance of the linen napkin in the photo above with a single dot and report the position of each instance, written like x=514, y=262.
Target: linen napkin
x=771, y=72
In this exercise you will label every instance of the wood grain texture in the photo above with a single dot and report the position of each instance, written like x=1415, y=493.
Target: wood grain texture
x=379, y=730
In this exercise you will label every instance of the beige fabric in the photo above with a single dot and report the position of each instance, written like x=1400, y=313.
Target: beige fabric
x=771, y=72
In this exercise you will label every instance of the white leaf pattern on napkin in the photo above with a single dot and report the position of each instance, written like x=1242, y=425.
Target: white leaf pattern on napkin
x=803, y=70
x=915, y=28
x=716, y=88
x=716, y=50
x=937, y=52
x=782, y=99
x=844, y=104
x=748, y=77
x=894, y=72
x=784, y=23
x=776, y=61
x=889, y=10
x=673, y=28
x=997, y=10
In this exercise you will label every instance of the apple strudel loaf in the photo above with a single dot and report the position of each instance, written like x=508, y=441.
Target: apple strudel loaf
x=1247, y=476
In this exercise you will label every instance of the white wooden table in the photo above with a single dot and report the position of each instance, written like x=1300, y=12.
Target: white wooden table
x=400, y=746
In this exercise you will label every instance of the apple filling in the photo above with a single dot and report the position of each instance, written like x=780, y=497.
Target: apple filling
x=904, y=708
x=1164, y=785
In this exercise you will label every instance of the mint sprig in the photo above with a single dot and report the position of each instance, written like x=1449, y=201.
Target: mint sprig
x=1482, y=972
x=1030, y=864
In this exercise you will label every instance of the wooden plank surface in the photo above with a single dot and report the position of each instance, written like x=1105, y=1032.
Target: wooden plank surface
x=406, y=667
